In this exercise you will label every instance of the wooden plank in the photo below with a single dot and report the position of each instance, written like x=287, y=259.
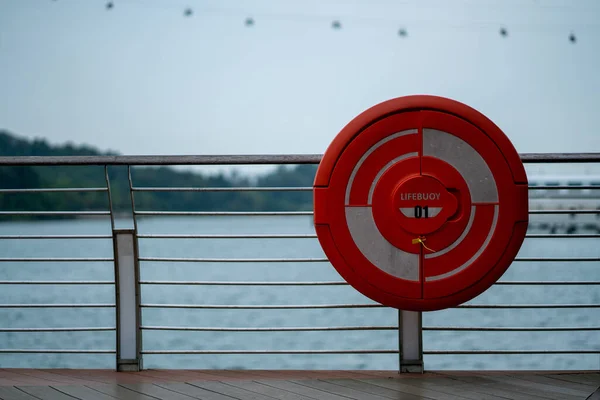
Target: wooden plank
x=149, y=389
x=180, y=375
x=534, y=389
x=374, y=389
x=12, y=393
x=106, y=376
x=83, y=392
x=565, y=391
x=49, y=377
x=303, y=390
x=595, y=395
x=452, y=386
x=193, y=391
x=119, y=392
x=70, y=374
x=586, y=379
x=23, y=379
x=226, y=375
x=554, y=382
x=45, y=393
x=6, y=382
x=340, y=390
x=510, y=392
x=481, y=392
x=270, y=391
x=228, y=390
x=502, y=389
x=403, y=386
x=482, y=380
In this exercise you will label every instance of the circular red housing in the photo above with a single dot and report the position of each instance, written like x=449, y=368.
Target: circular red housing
x=420, y=203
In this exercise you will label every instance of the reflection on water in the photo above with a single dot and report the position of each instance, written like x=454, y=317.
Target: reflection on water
x=269, y=295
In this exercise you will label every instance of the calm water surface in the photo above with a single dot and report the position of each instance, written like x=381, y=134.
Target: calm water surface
x=248, y=248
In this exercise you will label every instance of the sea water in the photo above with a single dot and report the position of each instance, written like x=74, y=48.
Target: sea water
x=385, y=339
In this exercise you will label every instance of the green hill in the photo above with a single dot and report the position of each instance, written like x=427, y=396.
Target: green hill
x=94, y=176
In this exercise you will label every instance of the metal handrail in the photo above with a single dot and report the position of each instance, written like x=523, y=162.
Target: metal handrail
x=130, y=161
x=260, y=159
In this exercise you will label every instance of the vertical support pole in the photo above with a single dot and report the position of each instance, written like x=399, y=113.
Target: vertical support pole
x=127, y=289
x=127, y=279
x=410, y=341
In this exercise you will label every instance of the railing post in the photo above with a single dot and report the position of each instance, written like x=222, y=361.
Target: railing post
x=410, y=341
x=128, y=300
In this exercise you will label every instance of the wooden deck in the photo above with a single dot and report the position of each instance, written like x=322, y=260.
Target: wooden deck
x=29, y=384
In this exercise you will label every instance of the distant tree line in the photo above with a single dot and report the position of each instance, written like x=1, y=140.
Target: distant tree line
x=94, y=176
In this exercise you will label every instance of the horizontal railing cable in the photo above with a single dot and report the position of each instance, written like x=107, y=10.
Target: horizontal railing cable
x=53, y=190
x=57, y=259
x=269, y=329
x=557, y=259
x=56, y=351
x=245, y=283
x=553, y=212
x=230, y=236
x=319, y=306
x=499, y=352
x=512, y=329
x=236, y=260
x=225, y=189
x=524, y=306
x=324, y=259
x=562, y=236
x=548, y=283
x=57, y=305
x=260, y=307
x=222, y=213
x=357, y=351
x=564, y=187
x=19, y=237
x=335, y=283
x=55, y=213
x=314, y=236
x=15, y=282
x=77, y=329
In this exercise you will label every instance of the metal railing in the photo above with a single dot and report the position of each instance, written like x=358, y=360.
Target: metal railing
x=129, y=263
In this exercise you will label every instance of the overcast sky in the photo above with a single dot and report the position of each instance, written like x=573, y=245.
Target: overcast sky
x=141, y=78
